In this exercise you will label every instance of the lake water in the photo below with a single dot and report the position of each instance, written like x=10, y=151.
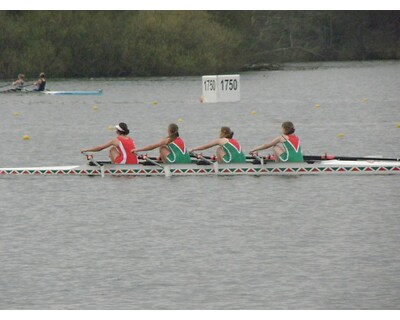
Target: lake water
x=310, y=242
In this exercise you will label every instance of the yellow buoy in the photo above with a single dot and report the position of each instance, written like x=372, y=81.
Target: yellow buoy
x=365, y=100
x=25, y=137
x=95, y=108
x=180, y=120
x=253, y=113
x=340, y=135
x=154, y=103
x=317, y=105
x=398, y=124
x=16, y=114
x=110, y=128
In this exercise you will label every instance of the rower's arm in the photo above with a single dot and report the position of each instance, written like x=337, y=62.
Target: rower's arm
x=160, y=143
x=268, y=145
x=206, y=146
x=99, y=148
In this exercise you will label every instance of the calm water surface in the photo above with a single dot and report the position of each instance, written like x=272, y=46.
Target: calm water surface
x=323, y=242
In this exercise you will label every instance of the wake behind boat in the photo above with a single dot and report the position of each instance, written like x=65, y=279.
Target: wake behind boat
x=314, y=165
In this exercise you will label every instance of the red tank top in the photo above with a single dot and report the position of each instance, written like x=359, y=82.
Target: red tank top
x=180, y=144
x=124, y=148
x=294, y=141
x=235, y=144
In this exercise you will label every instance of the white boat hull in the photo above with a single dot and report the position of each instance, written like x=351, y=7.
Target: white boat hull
x=326, y=167
x=57, y=93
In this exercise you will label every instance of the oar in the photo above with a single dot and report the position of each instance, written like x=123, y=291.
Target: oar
x=166, y=168
x=149, y=159
x=254, y=155
x=89, y=157
x=28, y=85
x=8, y=89
x=15, y=89
x=200, y=156
x=205, y=158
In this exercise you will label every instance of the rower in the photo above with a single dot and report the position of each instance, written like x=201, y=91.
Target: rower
x=286, y=147
x=172, y=148
x=40, y=83
x=120, y=146
x=229, y=150
x=19, y=83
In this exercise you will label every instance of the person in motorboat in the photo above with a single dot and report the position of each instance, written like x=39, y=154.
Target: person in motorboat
x=228, y=151
x=40, y=83
x=172, y=148
x=119, y=147
x=286, y=147
x=19, y=83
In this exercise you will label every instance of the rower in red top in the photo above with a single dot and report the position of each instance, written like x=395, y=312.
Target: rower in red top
x=120, y=146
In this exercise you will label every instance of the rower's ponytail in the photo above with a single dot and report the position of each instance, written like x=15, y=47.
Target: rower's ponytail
x=173, y=131
x=227, y=132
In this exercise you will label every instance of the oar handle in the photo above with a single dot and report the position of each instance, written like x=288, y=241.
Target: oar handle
x=89, y=156
x=143, y=156
x=261, y=159
x=164, y=167
x=254, y=155
x=149, y=159
x=200, y=156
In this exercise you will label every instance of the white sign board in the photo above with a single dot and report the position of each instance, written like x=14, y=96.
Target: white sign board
x=210, y=94
x=221, y=88
x=228, y=88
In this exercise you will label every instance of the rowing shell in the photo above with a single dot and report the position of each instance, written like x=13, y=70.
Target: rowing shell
x=74, y=93
x=327, y=167
x=58, y=93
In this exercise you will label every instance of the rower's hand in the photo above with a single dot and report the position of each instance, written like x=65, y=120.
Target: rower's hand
x=253, y=153
x=196, y=155
x=89, y=156
x=133, y=150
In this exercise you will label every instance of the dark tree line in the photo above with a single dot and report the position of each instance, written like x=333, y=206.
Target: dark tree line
x=142, y=43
